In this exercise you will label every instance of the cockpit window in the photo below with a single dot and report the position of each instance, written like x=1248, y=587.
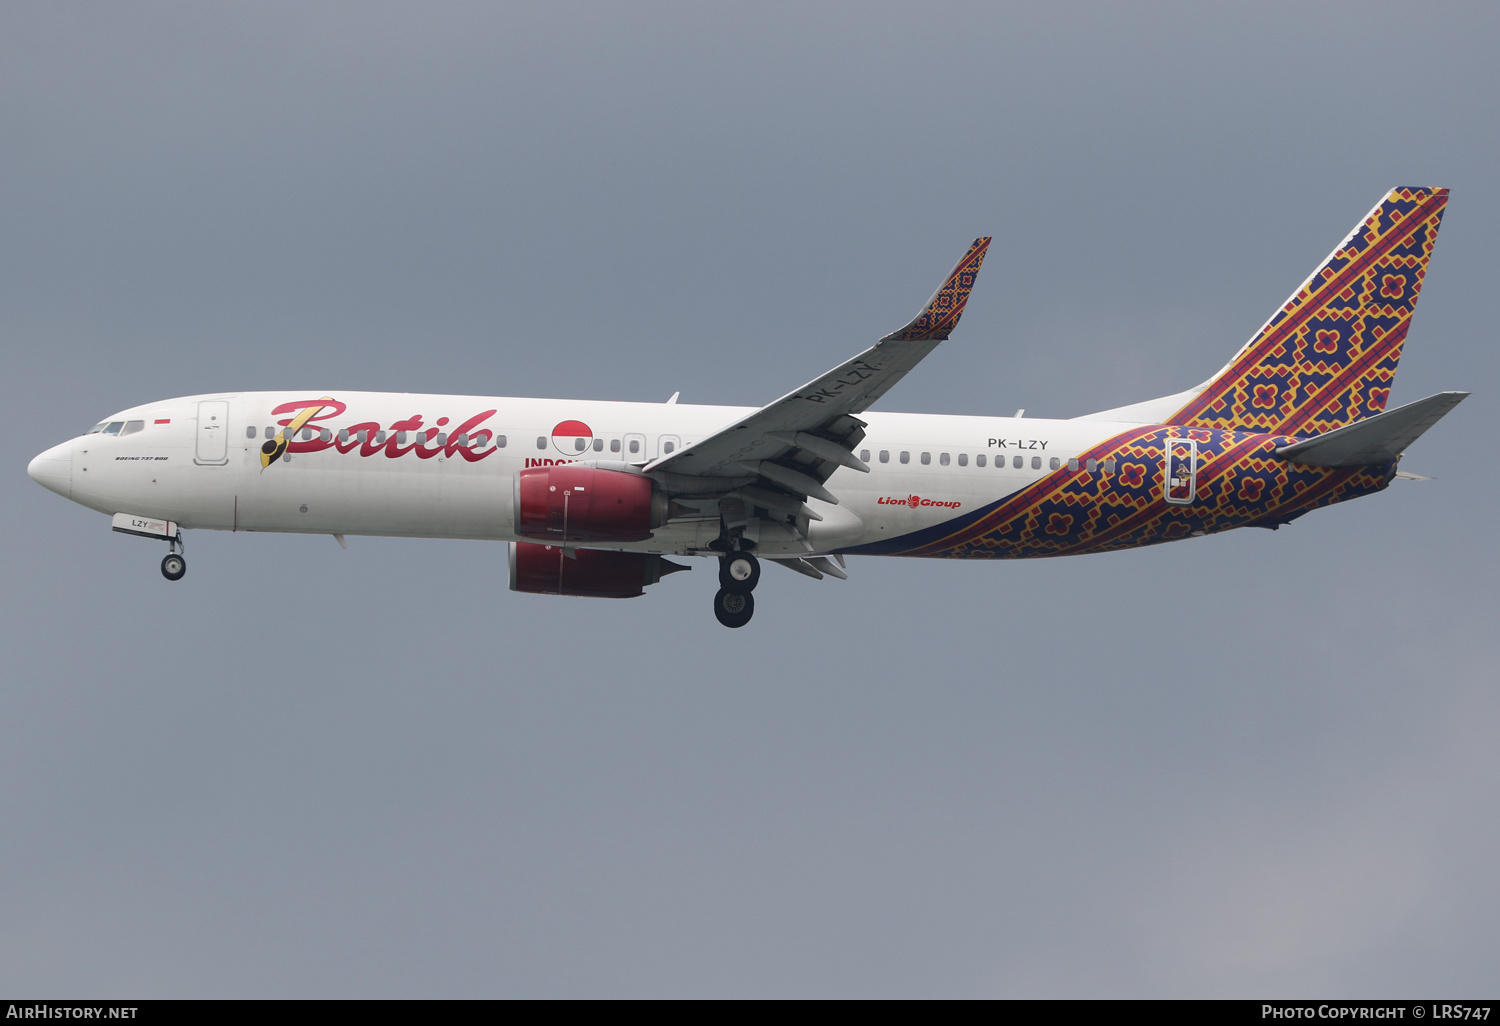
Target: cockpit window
x=132, y=426
x=113, y=427
x=97, y=427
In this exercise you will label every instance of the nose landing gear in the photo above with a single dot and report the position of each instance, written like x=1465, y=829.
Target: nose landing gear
x=174, y=563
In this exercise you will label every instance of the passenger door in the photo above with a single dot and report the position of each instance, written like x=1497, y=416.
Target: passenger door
x=213, y=433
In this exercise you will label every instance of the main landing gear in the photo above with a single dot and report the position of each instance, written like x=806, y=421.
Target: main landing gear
x=739, y=573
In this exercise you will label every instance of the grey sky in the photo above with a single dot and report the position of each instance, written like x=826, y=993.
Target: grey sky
x=1253, y=764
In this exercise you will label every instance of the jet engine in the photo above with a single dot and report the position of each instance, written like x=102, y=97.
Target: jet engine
x=548, y=570
x=570, y=503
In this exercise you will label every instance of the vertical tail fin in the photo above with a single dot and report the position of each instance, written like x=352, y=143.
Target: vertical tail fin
x=1328, y=356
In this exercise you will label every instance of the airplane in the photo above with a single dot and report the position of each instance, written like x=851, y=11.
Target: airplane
x=592, y=496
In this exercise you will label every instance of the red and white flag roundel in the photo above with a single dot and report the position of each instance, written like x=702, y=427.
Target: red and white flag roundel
x=572, y=437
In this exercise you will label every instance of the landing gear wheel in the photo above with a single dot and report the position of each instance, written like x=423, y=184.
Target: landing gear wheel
x=173, y=567
x=733, y=608
x=739, y=572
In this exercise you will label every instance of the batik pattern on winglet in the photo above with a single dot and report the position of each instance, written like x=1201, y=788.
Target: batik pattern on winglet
x=941, y=315
x=1328, y=356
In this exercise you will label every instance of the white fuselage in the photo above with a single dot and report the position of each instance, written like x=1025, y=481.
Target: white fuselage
x=433, y=466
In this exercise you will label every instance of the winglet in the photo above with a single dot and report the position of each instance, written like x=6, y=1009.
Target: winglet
x=947, y=304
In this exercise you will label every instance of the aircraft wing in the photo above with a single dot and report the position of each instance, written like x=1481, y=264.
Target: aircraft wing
x=797, y=441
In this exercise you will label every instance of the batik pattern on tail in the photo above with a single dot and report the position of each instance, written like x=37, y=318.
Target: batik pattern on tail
x=1328, y=357
x=1239, y=482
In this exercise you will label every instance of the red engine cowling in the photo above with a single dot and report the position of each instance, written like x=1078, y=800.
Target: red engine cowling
x=545, y=570
x=582, y=504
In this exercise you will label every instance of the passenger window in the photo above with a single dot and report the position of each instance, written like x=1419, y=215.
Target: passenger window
x=1109, y=466
x=905, y=456
x=667, y=447
x=963, y=459
x=400, y=437
x=885, y=455
x=635, y=445
x=1020, y=461
x=1093, y=465
x=1054, y=463
x=926, y=459
x=499, y=441
x=943, y=459
x=132, y=426
x=614, y=445
x=326, y=435
x=114, y=427
x=541, y=441
x=462, y=441
x=1036, y=463
x=1073, y=463
x=442, y=438
x=598, y=445
x=250, y=432
x=343, y=436
x=270, y=433
x=864, y=455
x=979, y=460
x=380, y=438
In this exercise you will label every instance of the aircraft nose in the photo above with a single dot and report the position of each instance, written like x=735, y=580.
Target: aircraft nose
x=53, y=469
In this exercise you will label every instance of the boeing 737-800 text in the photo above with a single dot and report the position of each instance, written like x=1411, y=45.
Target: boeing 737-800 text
x=592, y=497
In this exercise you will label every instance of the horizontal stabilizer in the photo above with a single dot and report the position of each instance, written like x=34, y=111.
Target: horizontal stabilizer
x=1375, y=440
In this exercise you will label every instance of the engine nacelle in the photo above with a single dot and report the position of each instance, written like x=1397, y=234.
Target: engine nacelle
x=547, y=570
x=581, y=504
